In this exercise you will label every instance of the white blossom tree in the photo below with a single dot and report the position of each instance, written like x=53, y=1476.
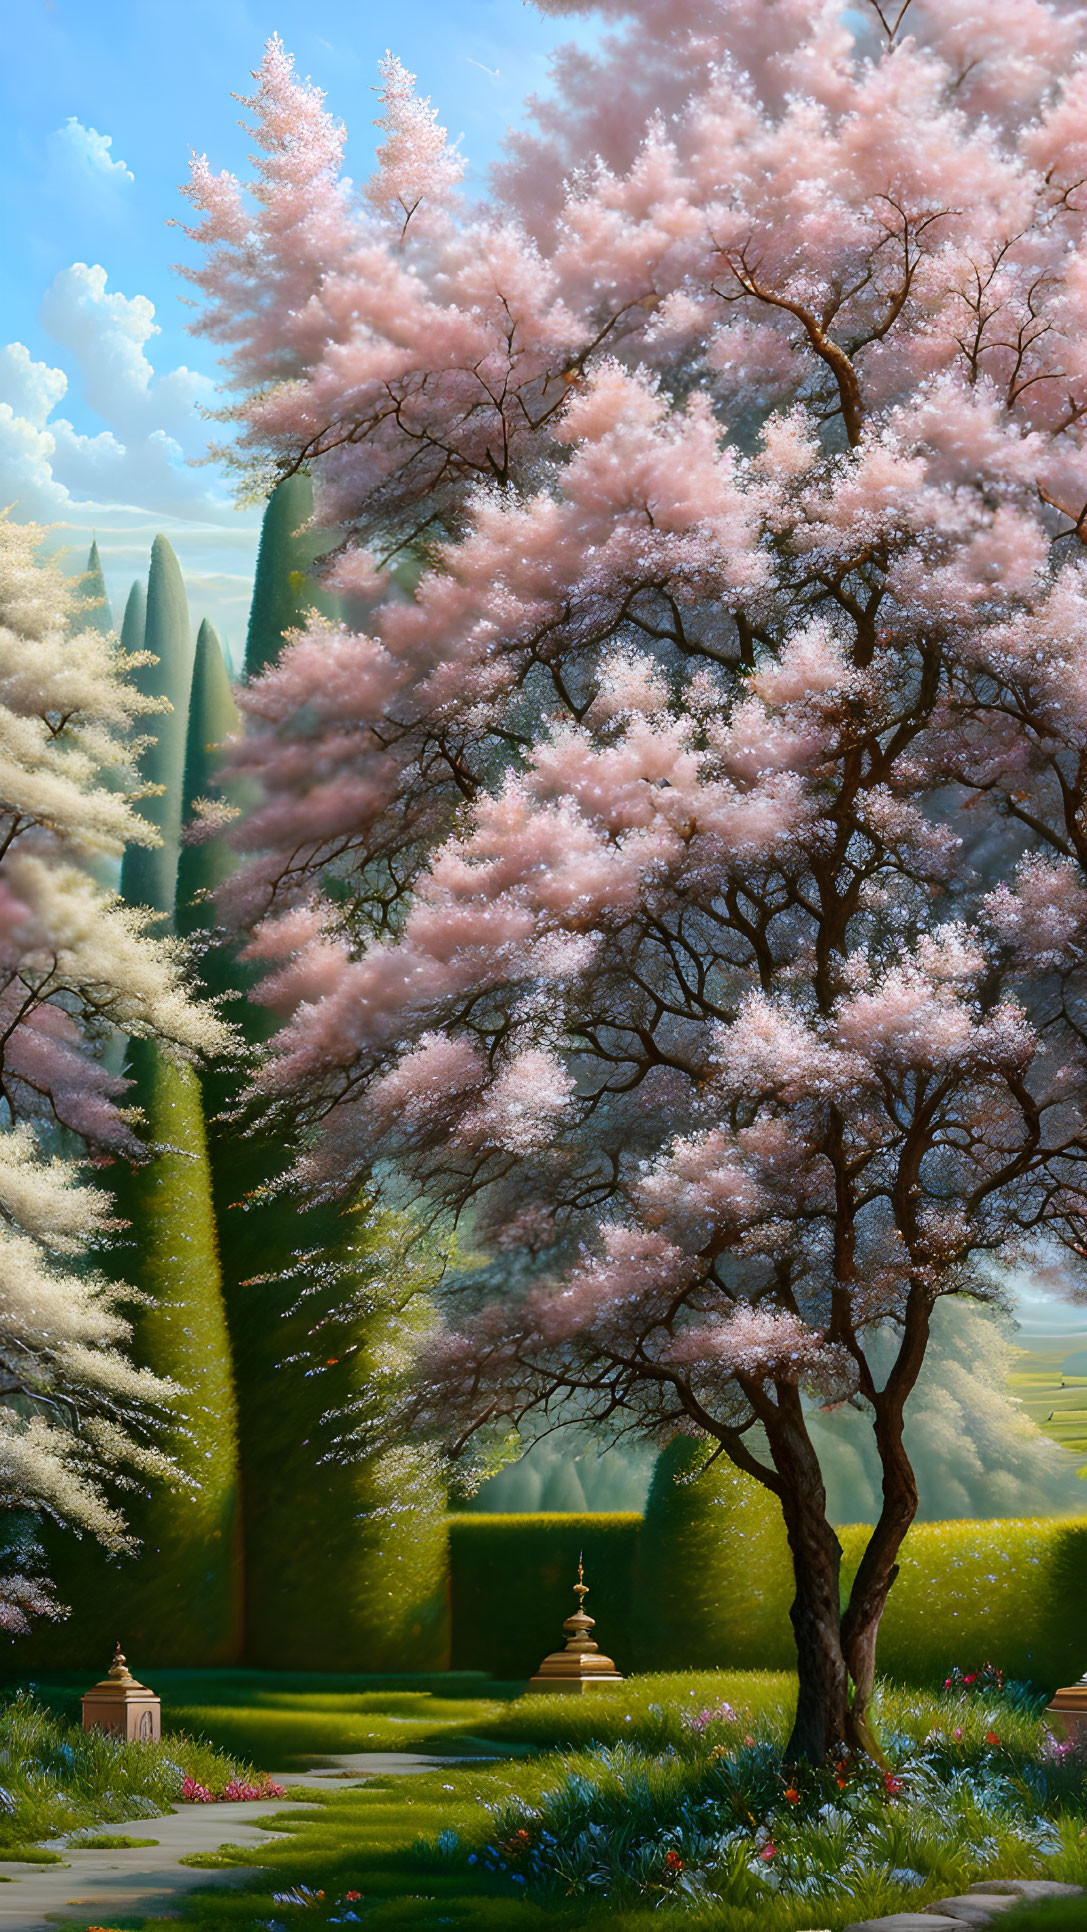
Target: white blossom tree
x=77, y=1418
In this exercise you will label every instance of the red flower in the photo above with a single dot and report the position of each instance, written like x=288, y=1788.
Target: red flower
x=991, y=1737
x=792, y=1795
x=673, y=1861
x=352, y=1896
x=891, y=1785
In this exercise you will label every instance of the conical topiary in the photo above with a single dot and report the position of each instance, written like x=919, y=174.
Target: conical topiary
x=213, y=717
x=134, y=624
x=285, y=586
x=184, y=1604
x=178, y=1600
x=345, y=1559
x=149, y=874
x=713, y=1572
x=96, y=614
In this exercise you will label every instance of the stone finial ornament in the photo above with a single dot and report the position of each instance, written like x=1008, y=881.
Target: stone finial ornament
x=1067, y=1714
x=121, y=1706
x=581, y=1666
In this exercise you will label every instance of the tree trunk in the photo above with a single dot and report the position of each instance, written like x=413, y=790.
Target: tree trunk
x=822, y=1708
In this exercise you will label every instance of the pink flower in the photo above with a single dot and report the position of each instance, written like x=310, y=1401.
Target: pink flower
x=768, y=1852
x=193, y=1793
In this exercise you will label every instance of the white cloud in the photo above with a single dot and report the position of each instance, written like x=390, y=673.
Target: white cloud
x=88, y=152
x=30, y=389
x=135, y=474
x=107, y=334
x=153, y=428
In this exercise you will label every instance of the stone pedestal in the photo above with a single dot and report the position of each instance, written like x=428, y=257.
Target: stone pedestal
x=1067, y=1714
x=121, y=1706
x=580, y=1667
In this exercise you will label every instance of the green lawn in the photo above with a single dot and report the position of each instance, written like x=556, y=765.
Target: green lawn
x=412, y=1849
x=1052, y=1394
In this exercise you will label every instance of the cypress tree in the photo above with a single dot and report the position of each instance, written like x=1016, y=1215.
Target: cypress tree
x=183, y=1605
x=345, y=1560
x=92, y=588
x=213, y=716
x=134, y=623
x=148, y=876
x=284, y=588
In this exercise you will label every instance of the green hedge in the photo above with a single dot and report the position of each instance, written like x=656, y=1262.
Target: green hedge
x=1007, y=1591
x=512, y=1587
x=713, y=1574
x=704, y=1584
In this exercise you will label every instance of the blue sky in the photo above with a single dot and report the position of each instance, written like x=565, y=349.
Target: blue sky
x=100, y=103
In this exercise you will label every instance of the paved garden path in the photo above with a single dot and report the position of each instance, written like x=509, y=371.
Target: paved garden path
x=98, y=1884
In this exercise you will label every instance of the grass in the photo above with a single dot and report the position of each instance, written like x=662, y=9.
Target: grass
x=56, y=1780
x=280, y=1720
x=108, y=1841
x=1053, y=1397
x=1061, y=1915
x=429, y=1851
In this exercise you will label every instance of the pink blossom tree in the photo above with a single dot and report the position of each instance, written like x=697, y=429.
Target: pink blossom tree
x=683, y=885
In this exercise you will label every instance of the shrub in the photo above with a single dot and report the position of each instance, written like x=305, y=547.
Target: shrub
x=524, y=1567
x=713, y=1579
x=1007, y=1592
x=716, y=1816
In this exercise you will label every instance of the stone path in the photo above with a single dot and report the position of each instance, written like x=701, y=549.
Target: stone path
x=98, y=1884
x=981, y=1905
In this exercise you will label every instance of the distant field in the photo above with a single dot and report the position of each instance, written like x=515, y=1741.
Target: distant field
x=1051, y=1383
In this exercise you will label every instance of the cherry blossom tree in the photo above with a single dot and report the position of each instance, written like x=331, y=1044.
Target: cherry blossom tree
x=77, y=1418
x=680, y=881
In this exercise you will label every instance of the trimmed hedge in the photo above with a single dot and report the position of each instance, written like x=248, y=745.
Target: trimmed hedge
x=512, y=1581
x=1010, y=1592
x=705, y=1584
x=713, y=1574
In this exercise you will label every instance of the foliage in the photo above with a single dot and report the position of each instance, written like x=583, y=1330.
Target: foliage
x=617, y=884
x=528, y=1564
x=212, y=716
x=57, y=1779
x=74, y=967
x=285, y=588
x=149, y=876
x=413, y=1852
x=712, y=1577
